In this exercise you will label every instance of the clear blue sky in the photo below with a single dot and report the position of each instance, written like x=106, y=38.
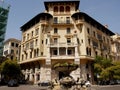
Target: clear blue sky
x=21, y=11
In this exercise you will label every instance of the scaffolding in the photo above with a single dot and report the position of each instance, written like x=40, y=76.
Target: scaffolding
x=4, y=10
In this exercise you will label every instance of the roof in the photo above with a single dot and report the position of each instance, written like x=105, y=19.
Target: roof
x=93, y=22
x=34, y=20
x=62, y=1
x=12, y=39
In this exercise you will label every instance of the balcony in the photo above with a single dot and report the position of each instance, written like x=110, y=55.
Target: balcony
x=59, y=57
x=64, y=44
x=63, y=23
x=44, y=22
x=78, y=22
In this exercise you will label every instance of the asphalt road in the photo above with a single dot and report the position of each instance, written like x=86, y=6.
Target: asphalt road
x=35, y=87
x=21, y=87
x=106, y=87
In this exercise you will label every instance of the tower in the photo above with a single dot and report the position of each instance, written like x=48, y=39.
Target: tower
x=4, y=11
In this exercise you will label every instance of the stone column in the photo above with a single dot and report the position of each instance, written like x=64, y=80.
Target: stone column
x=58, y=51
x=31, y=77
x=26, y=74
x=45, y=73
x=42, y=73
x=77, y=59
x=48, y=72
x=66, y=51
x=48, y=61
x=35, y=75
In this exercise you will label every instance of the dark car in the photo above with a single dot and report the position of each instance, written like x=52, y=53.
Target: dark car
x=12, y=83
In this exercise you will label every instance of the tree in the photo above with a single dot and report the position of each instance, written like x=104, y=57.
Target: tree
x=100, y=65
x=114, y=70
x=10, y=69
x=106, y=69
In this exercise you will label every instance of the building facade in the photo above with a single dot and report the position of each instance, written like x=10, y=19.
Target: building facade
x=62, y=34
x=11, y=48
x=4, y=11
x=115, y=47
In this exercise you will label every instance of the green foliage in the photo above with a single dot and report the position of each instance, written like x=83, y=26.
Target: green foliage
x=65, y=65
x=10, y=69
x=106, y=69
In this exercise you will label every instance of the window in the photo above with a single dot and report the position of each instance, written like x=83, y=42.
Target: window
x=95, y=44
x=55, y=20
x=12, y=44
x=12, y=51
x=32, y=33
x=69, y=52
x=104, y=38
x=68, y=20
x=81, y=40
x=31, y=44
x=54, y=52
x=16, y=45
x=88, y=30
x=94, y=34
x=37, y=31
x=55, y=9
x=30, y=54
x=22, y=57
x=6, y=52
x=89, y=41
x=42, y=41
x=46, y=41
x=11, y=57
x=68, y=40
x=16, y=51
x=27, y=36
x=26, y=55
x=67, y=9
x=36, y=42
x=99, y=36
x=61, y=9
x=27, y=46
x=68, y=30
x=55, y=40
x=41, y=53
x=55, y=30
x=37, y=52
x=78, y=41
x=88, y=51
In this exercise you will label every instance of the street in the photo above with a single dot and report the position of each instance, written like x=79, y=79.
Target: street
x=106, y=87
x=21, y=87
x=35, y=87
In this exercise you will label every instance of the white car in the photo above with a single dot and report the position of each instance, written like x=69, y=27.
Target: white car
x=87, y=84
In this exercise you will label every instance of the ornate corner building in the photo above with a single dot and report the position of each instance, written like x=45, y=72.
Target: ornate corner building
x=62, y=34
x=4, y=11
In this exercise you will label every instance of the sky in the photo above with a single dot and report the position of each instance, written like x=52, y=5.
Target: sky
x=21, y=11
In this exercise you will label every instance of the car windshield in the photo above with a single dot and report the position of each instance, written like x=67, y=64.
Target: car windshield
x=45, y=84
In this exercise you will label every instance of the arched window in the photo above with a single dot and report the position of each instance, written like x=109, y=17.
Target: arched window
x=55, y=9
x=67, y=9
x=61, y=9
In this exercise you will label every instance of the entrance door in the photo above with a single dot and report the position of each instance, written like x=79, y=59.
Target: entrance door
x=61, y=74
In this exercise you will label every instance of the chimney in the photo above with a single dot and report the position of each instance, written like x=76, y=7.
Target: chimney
x=106, y=26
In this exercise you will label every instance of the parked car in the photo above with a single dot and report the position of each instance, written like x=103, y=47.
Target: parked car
x=87, y=84
x=46, y=85
x=12, y=83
